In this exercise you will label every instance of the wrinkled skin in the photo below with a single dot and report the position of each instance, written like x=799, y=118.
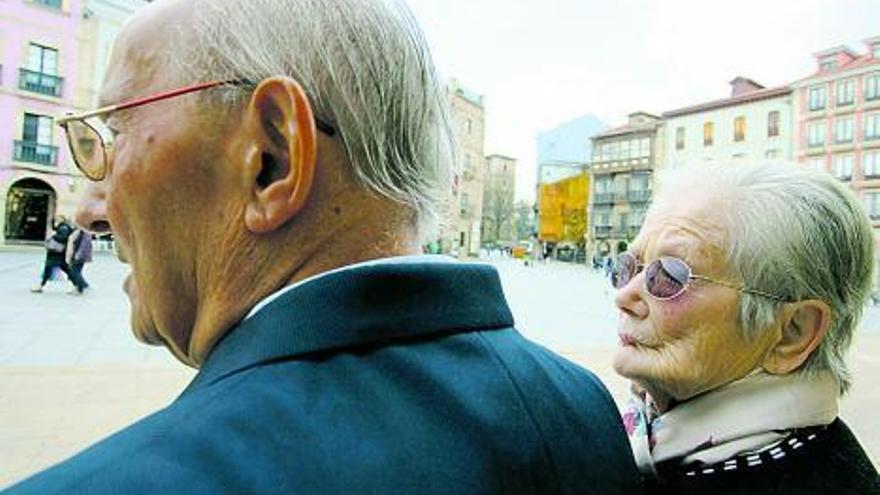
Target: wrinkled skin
x=679, y=348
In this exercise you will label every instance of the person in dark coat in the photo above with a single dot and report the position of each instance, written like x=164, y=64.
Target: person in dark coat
x=333, y=357
x=56, y=257
x=739, y=300
x=79, y=252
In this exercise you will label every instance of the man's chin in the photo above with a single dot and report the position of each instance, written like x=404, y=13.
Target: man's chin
x=146, y=334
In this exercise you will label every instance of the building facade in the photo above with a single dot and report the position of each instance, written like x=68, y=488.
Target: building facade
x=837, y=119
x=562, y=207
x=52, y=58
x=752, y=125
x=499, y=188
x=38, y=40
x=460, y=233
x=622, y=170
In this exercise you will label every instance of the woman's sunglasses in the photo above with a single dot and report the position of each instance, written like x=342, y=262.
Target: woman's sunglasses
x=668, y=277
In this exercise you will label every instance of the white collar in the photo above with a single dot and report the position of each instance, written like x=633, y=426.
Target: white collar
x=414, y=258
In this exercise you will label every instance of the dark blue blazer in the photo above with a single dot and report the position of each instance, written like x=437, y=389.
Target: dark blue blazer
x=380, y=379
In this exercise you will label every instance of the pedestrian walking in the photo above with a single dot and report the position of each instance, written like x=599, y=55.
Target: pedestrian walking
x=56, y=257
x=79, y=252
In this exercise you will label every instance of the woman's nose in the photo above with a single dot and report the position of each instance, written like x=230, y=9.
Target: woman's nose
x=629, y=298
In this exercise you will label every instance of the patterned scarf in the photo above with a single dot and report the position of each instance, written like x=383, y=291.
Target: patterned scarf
x=747, y=415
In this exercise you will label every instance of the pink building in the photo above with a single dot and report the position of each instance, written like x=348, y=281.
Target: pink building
x=38, y=61
x=837, y=119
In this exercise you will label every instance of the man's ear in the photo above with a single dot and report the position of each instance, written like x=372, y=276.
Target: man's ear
x=804, y=324
x=280, y=161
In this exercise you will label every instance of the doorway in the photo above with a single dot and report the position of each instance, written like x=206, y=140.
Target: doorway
x=30, y=206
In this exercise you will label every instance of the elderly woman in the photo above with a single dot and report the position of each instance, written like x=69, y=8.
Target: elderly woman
x=738, y=301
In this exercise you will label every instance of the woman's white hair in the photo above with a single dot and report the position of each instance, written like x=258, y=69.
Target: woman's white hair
x=796, y=233
x=367, y=70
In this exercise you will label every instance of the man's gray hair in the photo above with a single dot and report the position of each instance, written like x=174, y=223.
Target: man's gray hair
x=367, y=70
x=794, y=232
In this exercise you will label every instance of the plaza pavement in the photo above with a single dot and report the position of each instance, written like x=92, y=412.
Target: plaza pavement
x=71, y=373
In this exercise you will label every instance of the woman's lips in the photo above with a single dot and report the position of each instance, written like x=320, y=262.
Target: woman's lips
x=627, y=340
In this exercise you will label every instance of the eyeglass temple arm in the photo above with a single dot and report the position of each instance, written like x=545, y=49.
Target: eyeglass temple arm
x=739, y=288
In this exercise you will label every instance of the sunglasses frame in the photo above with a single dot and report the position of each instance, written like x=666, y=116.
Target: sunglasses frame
x=641, y=267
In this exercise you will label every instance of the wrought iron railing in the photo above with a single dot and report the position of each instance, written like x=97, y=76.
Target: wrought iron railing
x=32, y=152
x=55, y=4
x=38, y=82
x=638, y=196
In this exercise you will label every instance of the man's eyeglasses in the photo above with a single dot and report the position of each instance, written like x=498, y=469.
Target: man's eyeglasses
x=668, y=277
x=90, y=142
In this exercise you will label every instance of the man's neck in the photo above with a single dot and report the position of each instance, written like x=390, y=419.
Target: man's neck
x=256, y=276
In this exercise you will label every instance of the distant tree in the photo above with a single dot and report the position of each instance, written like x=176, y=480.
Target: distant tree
x=498, y=210
x=524, y=220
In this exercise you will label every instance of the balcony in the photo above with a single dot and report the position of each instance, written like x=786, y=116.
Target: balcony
x=638, y=196
x=54, y=4
x=31, y=152
x=602, y=231
x=603, y=198
x=37, y=82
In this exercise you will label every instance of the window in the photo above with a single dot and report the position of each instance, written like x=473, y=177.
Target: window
x=871, y=163
x=828, y=64
x=773, y=124
x=708, y=134
x=623, y=221
x=37, y=129
x=43, y=59
x=872, y=204
x=624, y=150
x=843, y=165
x=772, y=154
x=603, y=186
x=739, y=129
x=817, y=163
x=816, y=134
x=846, y=92
x=872, y=86
x=875, y=51
x=464, y=204
x=679, y=138
x=613, y=151
x=872, y=126
x=843, y=130
x=639, y=182
x=818, y=97
x=645, y=147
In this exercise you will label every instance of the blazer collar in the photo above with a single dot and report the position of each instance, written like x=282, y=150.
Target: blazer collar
x=366, y=305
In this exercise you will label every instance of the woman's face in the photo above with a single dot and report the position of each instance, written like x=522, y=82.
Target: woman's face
x=678, y=348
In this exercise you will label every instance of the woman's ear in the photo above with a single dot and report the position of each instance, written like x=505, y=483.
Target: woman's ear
x=804, y=324
x=281, y=154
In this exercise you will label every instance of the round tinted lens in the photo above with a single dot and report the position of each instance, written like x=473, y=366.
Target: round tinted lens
x=623, y=271
x=666, y=278
x=87, y=149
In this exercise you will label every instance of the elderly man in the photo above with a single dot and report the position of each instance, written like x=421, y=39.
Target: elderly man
x=271, y=212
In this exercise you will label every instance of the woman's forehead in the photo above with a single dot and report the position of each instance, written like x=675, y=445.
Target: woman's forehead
x=691, y=235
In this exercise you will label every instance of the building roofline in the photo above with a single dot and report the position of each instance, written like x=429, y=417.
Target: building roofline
x=835, y=50
x=750, y=97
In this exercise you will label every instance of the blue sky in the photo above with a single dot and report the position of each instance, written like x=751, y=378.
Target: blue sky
x=540, y=63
